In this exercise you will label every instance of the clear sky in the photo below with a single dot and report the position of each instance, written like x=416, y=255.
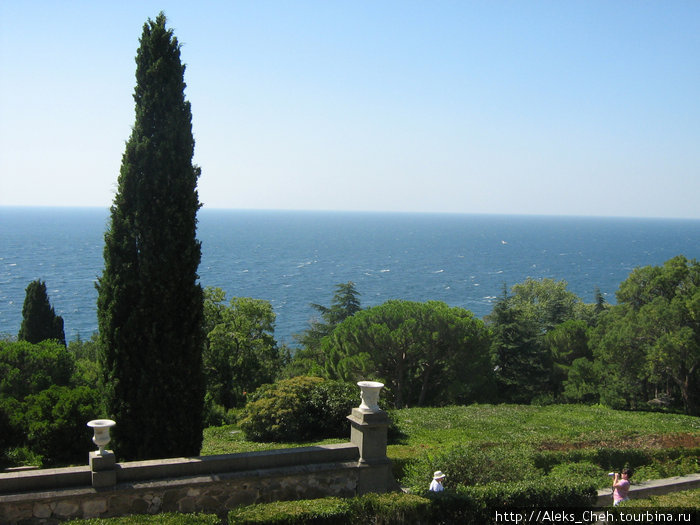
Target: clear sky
x=518, y=107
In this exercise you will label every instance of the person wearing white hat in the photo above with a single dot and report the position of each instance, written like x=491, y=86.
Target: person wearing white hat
x=436, y=484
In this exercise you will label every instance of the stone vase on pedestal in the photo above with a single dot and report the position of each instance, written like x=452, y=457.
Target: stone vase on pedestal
x=102, y=462
x=101, y=428
x=368, y=430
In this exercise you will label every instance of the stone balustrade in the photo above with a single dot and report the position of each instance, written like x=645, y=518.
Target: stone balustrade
x=213, y=484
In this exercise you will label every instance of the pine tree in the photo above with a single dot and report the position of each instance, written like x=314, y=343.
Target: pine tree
x=150, y=305
x=39, y=320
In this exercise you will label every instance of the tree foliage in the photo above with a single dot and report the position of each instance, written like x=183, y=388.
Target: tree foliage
x=345, y=303
x=150, y=304
x=649, y=343
x=425, y=353
x=27, y=369
x=240, y=353
x=86, y=355
x=39, y=319
x=521, y=363
x=546, y=302
x=538, y=330
x=309, y=360
x=41, y=407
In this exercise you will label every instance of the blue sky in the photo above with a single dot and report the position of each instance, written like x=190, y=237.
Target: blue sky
x=528, y=107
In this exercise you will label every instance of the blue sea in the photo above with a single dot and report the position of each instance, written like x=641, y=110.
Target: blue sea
x=295, y=258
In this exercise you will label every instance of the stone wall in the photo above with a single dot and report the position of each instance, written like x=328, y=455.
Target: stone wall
x=213, y=484
x=655, y=487
x=215, y=493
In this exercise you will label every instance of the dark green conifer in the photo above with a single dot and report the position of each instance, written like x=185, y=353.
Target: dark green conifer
x=39, y=320
x=150, y=304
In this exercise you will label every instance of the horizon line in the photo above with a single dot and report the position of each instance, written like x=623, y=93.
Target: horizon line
x=367, y=212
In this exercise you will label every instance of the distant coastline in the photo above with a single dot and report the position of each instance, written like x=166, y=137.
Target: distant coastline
x=205, y=210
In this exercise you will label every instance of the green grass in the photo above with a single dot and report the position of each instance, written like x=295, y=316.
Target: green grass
x=548, y=427
x=562, y=424
x=229, y=439
x=420, y=431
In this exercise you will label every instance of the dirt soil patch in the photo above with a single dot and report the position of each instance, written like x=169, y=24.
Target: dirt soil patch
x=661, y=441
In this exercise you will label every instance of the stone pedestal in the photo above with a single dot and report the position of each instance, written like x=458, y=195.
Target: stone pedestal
x=369, y=433
x=104, y=474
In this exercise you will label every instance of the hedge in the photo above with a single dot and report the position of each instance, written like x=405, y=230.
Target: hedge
x=153, y=519
x=612, y=458
x=466, y=505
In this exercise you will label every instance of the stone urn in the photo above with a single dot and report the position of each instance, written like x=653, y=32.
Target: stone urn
x=101, y=437
x=369, y=395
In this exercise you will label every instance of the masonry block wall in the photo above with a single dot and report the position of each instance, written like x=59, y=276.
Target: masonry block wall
x=213, y=484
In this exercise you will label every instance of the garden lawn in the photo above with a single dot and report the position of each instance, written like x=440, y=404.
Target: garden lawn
x=417, y=431
x=553, y=427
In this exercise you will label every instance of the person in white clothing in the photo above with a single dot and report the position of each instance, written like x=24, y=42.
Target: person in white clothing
x=436, y=484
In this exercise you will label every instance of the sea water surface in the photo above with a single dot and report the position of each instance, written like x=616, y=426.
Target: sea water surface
x=295, y=258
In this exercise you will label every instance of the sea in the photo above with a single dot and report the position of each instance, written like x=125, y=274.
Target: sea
x=294, y=259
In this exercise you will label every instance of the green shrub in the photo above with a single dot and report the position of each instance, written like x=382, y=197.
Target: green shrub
x=465, y=465
x=318, y=511
x=22, y=457
x=678, y=460
x=467, y=505
x=688, y=500
x=379, y=509
x=542, y=492
x=476, y=505
x=56, y=419
x=666, y=468
x=330, y=405
x=298, y=409
x=580, y=471
x=389, y=508
x=216, y=415
x=156, y=519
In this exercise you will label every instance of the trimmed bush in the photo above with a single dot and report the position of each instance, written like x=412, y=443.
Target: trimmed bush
x=319, y=511
x=610, y=459
x=390, y=508
x=583, y=470
x=466, y=465
x=299, y=409
x=379, y=509
x=157, y=519
x=330, y=405
x=467, y=505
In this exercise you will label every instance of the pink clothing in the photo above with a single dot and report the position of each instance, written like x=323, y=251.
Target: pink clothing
x=620, y=492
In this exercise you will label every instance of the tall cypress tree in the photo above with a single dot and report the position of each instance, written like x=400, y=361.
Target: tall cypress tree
x=39, y=319
x=150, y=304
